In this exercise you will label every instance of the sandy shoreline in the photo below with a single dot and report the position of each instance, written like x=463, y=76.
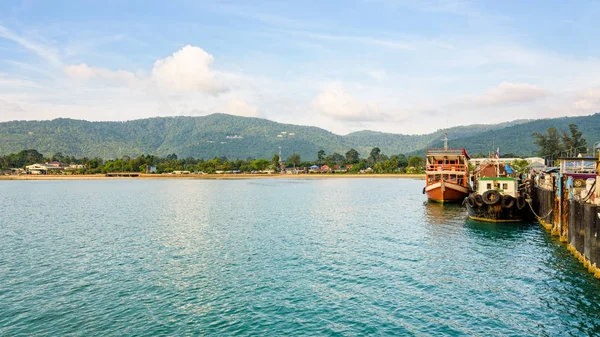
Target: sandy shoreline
x=210, y=176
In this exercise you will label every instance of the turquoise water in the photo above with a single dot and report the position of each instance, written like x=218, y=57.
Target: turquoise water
x=326, y=257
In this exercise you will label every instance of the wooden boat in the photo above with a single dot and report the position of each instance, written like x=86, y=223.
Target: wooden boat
x=496, y=196
x=447, y=174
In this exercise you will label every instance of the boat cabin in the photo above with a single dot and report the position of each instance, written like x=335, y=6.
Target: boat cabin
x=451, y=165
x=504, y=185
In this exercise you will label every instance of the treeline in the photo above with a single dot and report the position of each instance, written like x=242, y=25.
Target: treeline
x=556, y=143
x=350, y=161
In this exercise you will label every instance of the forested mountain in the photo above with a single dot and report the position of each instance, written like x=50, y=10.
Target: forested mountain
x=221, y=135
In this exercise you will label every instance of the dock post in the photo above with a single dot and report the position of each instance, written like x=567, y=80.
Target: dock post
x=589, y=225
x=597, y=237
x=571, y=223
x=580, y=227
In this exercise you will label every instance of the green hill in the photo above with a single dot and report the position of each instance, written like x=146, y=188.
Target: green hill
x=221, y=135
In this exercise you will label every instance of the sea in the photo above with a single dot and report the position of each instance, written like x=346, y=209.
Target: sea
x=276, y=257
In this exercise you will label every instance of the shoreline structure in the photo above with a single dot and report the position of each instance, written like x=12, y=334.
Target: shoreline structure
x=209, y=176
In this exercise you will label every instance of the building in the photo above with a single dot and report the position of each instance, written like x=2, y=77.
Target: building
x=477, y=161
x=48, y=168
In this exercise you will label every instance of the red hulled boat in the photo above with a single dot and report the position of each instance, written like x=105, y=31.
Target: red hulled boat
x=447, y=171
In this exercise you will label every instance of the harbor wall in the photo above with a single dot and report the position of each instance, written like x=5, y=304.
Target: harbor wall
x=575, y=222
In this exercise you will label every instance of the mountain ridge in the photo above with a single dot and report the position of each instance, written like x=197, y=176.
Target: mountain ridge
x=223, y=135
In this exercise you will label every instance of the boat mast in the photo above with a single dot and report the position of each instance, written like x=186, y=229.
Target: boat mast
x=446, y=141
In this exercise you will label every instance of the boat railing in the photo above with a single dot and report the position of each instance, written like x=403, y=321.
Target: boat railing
x=445, y=151
x=447, y=167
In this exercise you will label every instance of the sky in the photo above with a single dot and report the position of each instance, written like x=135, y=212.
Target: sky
x=396, y=66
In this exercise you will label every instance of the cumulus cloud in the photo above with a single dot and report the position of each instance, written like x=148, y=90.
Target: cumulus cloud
x=588, y=101
x=508, y=92
x=336, y=103
x=188, y=69
x=239, y=107
x=85, y=72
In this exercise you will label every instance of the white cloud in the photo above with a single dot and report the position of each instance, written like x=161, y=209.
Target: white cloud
x=379, y=75
x=11, y=111
x=336, y=103
x=85, y=72
x=508, y=92
x=47, y=53
x=588, y=101
x=240, y=107
x=188, y=69
x=9, y=107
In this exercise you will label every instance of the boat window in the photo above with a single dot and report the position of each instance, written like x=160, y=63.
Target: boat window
x=439, y=162
x=453, y=177
x=489, y=186
x=504, y=186
x=437, y=177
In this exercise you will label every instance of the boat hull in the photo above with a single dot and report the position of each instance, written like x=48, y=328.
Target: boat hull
x=446, y=192
x=499, y=213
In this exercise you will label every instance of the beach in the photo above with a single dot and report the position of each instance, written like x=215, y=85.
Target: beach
x=207, y=176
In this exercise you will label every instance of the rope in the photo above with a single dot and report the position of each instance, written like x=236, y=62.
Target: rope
x=589, y=195
x=537, y=216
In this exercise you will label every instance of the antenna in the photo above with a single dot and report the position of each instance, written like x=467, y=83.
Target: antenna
x=446, y=141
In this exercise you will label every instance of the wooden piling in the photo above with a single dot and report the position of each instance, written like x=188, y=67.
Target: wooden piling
x=588, y=223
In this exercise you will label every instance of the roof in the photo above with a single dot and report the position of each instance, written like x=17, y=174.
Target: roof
x=535, y=165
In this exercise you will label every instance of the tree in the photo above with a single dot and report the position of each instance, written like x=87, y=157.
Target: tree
x=260, y=164
x=519, y=165
x=58, y=157
x=335, y=159
x=416, y=162
x=321, y=156
x=573, y=143
x=374, y=155
x=549, y=144
x=275, y=162
x=401, y=159
x=294, y=159
x=352, y=156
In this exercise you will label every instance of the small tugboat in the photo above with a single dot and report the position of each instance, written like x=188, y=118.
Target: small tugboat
x=447, y=174
x=496, y=196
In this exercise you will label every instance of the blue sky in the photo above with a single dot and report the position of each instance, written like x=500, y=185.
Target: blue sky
x=387, y=65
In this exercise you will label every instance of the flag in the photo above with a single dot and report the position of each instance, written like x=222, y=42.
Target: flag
x=497, y=153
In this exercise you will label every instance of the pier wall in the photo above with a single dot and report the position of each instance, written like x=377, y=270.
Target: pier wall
x=575, y=222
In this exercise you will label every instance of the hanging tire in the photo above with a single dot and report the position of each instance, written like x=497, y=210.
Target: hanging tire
x=521, y=202
x=491, y=197
x=478, y=200
x=470, y=201
x=508, y=201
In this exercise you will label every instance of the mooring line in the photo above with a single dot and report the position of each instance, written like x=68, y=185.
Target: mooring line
x=537, y=216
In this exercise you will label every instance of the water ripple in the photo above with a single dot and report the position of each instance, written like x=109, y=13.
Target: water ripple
x=347, y=257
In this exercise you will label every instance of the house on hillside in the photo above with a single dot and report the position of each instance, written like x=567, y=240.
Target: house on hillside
x=325, y=168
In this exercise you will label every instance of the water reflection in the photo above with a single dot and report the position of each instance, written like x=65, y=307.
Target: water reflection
x=436, y=213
